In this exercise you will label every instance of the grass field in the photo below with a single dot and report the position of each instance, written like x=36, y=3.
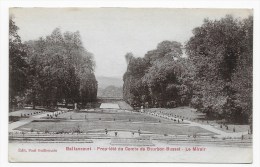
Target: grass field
x=85, y=126
x=101, y=119
x=126, y=121
x=191, y=114
x=111, y=116
x=123, y=105
x=186, y=112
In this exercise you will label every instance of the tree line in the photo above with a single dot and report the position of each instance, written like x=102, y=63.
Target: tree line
x=110, y=91
x=50, y=70
x=214, y=76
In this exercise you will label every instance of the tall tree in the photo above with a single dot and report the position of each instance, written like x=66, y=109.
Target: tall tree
x=17, y=64
x=159, y=79
x=217, y=50
x=61, y=70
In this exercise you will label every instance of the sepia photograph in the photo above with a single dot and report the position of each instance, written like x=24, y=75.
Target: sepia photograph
x=130, y=85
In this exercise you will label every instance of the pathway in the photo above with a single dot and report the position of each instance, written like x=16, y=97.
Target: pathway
x=217, y=131
x=210, y=128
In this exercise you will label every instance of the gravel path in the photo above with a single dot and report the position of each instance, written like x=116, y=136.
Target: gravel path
x=210, y=128
x=217, y=131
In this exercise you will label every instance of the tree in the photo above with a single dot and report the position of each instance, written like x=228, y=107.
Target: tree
x=17, y=64
x=159, y=78
x=219, y=49
x=61, y=69
x=132, y=88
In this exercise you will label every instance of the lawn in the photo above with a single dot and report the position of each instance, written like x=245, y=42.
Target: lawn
x=186, y=112
x=191, y=114
x=123, y=105
x=126, y=121
x=111, y=116
x=85, y=126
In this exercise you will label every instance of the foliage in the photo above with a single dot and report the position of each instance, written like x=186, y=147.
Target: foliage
x=18, y=65
x=111, y=91
x=159, y=78
x=221, y=51
x=215, y=77
x=61, y=69
x=52, y=69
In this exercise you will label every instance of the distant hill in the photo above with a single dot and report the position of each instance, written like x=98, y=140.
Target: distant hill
x=104, y=82
x=110, y=91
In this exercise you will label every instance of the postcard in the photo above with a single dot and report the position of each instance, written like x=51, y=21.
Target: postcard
x=130, y=85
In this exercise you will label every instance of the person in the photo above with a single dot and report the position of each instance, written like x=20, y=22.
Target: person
x=115, y=133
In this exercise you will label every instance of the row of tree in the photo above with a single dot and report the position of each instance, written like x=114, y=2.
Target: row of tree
x=215, y=76
x=110, y=91
x=51, y=70
x=159, y=79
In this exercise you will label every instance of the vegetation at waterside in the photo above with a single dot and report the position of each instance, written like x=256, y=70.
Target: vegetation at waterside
x=214, y=76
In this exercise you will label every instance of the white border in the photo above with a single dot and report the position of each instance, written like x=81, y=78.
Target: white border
x=5, y=4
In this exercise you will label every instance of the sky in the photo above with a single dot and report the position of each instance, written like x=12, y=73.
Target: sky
x=109, y=33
